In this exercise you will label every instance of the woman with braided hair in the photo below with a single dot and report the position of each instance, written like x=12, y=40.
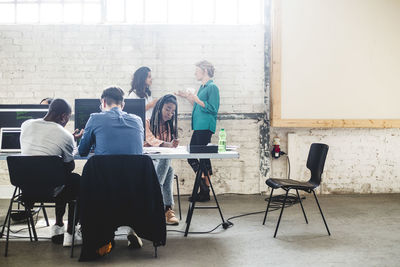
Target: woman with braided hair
x=162, y=130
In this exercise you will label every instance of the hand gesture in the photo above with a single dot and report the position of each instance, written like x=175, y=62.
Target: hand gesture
x=181, y=94
x=175, y=143
x=78, y=134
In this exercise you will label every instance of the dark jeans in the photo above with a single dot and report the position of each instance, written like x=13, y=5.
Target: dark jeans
x=201, y=137
x=69, y=192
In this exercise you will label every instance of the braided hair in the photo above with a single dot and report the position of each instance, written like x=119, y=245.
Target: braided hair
x=156, y=117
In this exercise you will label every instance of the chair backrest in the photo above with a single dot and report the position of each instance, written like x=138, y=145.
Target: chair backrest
x=114, y=189
x=316, y=162
x=36, y=176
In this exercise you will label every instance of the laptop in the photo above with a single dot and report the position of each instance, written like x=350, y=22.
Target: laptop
x=9, y=140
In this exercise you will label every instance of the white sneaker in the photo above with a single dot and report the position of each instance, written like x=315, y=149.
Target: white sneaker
x=133, y=240
x=57, y=234
x=68, y=238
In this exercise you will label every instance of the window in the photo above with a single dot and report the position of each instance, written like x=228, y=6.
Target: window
x=229, y=12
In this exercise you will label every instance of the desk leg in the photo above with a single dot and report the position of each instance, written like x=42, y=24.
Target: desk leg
x=194, y=196
x=216, y=202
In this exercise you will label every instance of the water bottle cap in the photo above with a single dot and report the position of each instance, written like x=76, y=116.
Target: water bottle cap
x=222, y=129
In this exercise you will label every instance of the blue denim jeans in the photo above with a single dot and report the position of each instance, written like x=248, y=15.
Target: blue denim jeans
x=165, y=175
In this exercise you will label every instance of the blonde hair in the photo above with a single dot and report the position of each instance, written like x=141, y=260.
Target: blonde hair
x=206, y=66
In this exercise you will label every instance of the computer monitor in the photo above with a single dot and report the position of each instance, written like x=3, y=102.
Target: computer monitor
x=9, y=140
x=85, y=107
x=15, y=115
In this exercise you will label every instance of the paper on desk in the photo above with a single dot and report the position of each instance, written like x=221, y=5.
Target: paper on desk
x=165, y=150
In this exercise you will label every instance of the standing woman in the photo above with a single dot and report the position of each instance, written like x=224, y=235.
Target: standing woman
x=140, y=88
x=204, y=120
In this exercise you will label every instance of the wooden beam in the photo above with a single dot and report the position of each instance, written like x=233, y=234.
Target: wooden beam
x=336, y=123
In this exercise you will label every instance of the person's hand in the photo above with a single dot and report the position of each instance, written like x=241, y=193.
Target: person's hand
x=181, y=94
x=191, y=97
x=78, y=134
x=175, y=143
x=166, y=144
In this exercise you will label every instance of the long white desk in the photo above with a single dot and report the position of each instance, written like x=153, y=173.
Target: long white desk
x=177, y=153
x=163, y=153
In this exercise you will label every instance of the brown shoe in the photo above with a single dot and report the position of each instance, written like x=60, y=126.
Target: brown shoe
x=170, y=217
x=104, y=250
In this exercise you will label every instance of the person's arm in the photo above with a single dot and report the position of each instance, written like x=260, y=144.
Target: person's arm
x=174, y=143
x=188, y=96
x=69, y=166
x=151, y=104
x=78, y=134
x=196, y=99
x=151, y=140
x=211, y=105
x=68, y=153
x=87, y=138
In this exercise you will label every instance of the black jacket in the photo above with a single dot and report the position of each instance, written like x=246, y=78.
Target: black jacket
x=120, y=190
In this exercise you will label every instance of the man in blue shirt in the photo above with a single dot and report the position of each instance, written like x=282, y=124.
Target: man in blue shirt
x=114, y=132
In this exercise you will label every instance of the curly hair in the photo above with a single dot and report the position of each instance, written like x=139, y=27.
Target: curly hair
x=206, y=66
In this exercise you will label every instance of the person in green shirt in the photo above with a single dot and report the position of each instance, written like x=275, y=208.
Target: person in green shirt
x=204, y=120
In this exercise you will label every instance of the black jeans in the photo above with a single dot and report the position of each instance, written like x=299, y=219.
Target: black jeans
x=201, y=137
x=69, y=192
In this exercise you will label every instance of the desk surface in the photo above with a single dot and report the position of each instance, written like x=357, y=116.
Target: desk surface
x=163, y=153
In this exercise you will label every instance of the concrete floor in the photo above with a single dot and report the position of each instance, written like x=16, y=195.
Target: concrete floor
x=365, y=232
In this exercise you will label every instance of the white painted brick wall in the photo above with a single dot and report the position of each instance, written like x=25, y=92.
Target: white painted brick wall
x=359, y=160
x=80, y=61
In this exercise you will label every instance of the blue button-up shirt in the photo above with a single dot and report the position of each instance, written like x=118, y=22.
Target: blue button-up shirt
x=112, y=132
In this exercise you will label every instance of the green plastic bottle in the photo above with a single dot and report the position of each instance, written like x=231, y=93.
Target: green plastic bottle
x=222, y=141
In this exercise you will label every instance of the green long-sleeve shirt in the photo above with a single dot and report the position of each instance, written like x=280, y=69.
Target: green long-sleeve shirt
x=206, y=118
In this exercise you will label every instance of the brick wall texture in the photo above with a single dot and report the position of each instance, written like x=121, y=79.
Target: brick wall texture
x=80, y=61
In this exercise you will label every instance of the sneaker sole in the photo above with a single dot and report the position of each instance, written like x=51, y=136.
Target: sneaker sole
x=134, y=242
x=57, y=239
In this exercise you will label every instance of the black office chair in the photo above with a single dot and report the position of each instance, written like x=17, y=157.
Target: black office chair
x=315, y=163
x=36, y=177
x=179, y=196
x=20, y=215
x=120, y=190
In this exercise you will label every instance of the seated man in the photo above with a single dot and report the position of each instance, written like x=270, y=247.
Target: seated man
x=48, y=136
x=113, y=132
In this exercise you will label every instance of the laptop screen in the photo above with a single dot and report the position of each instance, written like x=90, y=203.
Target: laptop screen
x=10, y=140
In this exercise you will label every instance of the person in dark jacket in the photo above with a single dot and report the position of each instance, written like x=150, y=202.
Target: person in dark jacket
x=114, y=132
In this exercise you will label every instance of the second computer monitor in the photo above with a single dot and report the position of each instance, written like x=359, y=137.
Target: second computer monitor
x=14, y=115
x=85, y=107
